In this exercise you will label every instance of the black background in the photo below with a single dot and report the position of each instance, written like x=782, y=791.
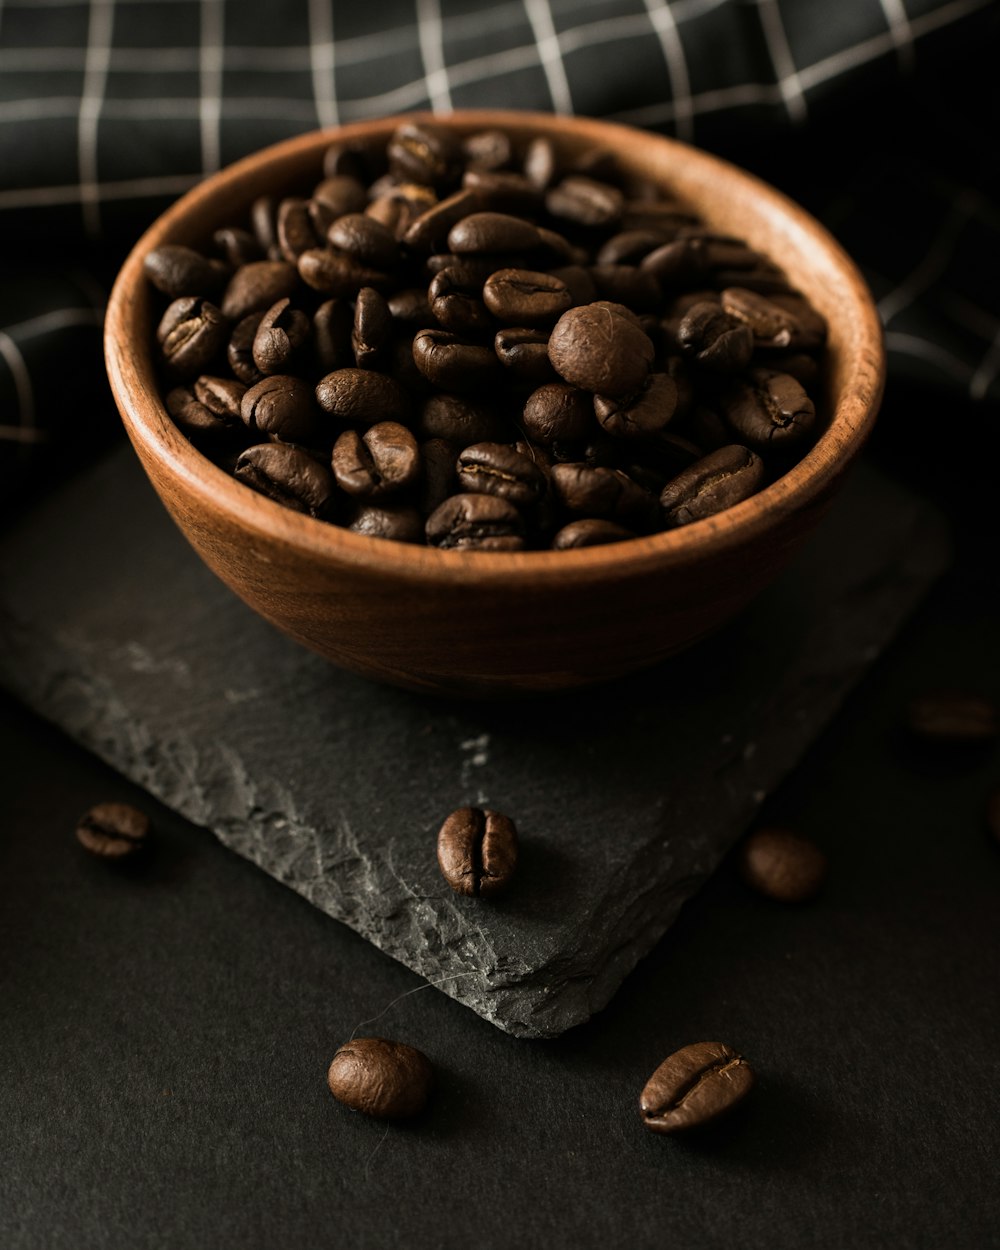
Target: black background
x=165, y=1034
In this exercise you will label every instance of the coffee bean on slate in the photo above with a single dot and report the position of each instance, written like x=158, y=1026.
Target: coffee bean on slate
x=257, y=286
x=524, y=353
x=477, y=851
x=694, y=1086
x=400, y=522
x=993, y=814
x=953, y=717
x=491, y=233
x=177, y=271
x=558, y=412
x=372, y=331
x=476, y=523
x=287, y=475
x=639, y=415
x=600, y=349
x=423, y=152
x=769, y=410
x=497, y=469
x=521, y=297
x=381, y=1078
x=382, y=462
x=585, y=202
x=282, y=333
x=782, y=865
x=589, y=532
x=363, y=396
x=714, y=339
x=718, y=481
x=191, y=332
x=452, y=363
x=365, y=240
x=282, y=405
x=113, y=830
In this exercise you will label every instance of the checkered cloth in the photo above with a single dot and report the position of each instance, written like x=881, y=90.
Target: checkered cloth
x=875, y=113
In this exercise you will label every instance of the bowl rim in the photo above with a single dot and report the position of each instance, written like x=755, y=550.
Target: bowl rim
x=149, y=426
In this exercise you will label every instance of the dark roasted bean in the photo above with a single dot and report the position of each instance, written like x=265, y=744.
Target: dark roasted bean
x=222, y=397
x=783, y=865
x=281, y=335
x=400, y=522
x=178, y=271
x=372, y=332
x=627, y=284
x=601, y=350
x=281, y=405
x=198, y=422
x=694, y=1086
x=590, y=532
x=239, y=352
x=341, y=160
x=477, y=851
x=286, y=475
x=541, y=164
x=487, y=149
x=454, y=298
x=334, y=273
x=630, y=246
x=382, y=462
x=264, y=221
x=430, y=230
x=424, y=153
x=714, y=339
x=365, y=240
x=497, y=469
x=585, y=202
x=558, y=412
x=476, y=523
x=592, y=491
x=113, y=831
x=522, y=297
x=438, y=458
x=639, y=415
x=333, y=324
x=411, y=308
x=525, y=354
x=492, y=233
x=722, y=479
x=191, y=333
x=295, y=229
x=380, y=1078
x=461, y=419
x=448, y=362
x=238, y=246
x=257, y=286
x=502, y=191
x=341, y=194
x=361, y=396
x=769, y=410
x=771, y=325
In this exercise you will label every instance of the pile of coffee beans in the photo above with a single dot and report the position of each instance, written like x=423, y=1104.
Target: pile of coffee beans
x=462, y=341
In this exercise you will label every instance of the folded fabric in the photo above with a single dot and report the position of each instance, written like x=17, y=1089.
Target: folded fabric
x=873, y=112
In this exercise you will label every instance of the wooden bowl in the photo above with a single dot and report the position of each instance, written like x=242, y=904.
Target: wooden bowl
x=462, y=622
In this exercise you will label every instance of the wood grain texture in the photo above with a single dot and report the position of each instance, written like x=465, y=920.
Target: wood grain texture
x=495, y=623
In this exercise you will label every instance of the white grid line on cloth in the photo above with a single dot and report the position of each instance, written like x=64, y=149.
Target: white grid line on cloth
x=665, y=26
x=124, y=189
x=99, y=30
x=901, y=32
x=987, y=370
x=539, y=15
x=782, y=60
x=935, y=259
x=23, y=386
x=705, y=102
x=924, y=349
x=431, y=35
x=210, y=63
x=58, y=319
x=322, y=61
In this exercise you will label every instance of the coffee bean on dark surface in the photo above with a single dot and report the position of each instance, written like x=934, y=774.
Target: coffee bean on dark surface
x=477, y=851
x=381, y=1078
x=694, y=1086
x=482, y=289
x=113, y=830
x=953, y=717
x=782, y=865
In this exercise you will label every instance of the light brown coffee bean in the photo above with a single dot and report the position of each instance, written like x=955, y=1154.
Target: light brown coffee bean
x=694, y=1086
x=782, y=865
x=381, y=1078
x=113, y=830
x=477, y=851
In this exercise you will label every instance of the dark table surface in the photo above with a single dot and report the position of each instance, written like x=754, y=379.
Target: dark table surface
x=164, y=1034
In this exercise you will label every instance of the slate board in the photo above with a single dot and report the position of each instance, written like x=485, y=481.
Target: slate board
x=626, y=797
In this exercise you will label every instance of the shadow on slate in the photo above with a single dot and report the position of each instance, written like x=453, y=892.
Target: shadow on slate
x=626, y=797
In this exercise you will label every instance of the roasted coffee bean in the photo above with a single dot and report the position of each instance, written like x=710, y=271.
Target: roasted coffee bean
x=503, y=191
x=178, y=271
x=430, y=230
x=222, y=397
x=341, y=194
x=282, y=405
x=287, y=475
x=627, y=284
x=590, y=532
x=462, y=420
x=522, y=297
x=333, y=326
x=558, y=412
x=694, y=1086
x=399, y=522
x=411, y=308
x=372, y=330
x=592, y=491
x=600, y=349
x=341, y=160
x=381, y=1078
x=199, y=423
x=447, y=361
x=769, y=410
x=295, y=229
x=692, y=260
x=238, y=246
x=487, y=149
x=454, y=299
x=239, y=352
x=365, y=240
x=953, y=717
x=425, y=153
x=476, y=523
x=524, y=353
x=335, y=273
x=722, y=479
x=438, y=483
x=362, y=396
x=113, y=830
x=771, y=325
x=382, y=462
x=713, y=339
x=585, y=202
x=257, y=286
x=477, y=851
x=782, y=865
x=541, y=164
x=191, y=333
x=630, y=246
x=492, y=233
x=810, y=325
x=281, y=335
x=579, y=282
x=639, y=415
x=264, y=221
x=664, y=216
x=496, y=469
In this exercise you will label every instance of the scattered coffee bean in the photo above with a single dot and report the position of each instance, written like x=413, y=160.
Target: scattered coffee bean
x=477, y=851
x=694, y=1086
x=381, y=1078
x=953, y=717
x=782, y=865
x=113, y=830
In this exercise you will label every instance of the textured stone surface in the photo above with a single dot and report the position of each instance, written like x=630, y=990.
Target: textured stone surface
x=625, y=798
